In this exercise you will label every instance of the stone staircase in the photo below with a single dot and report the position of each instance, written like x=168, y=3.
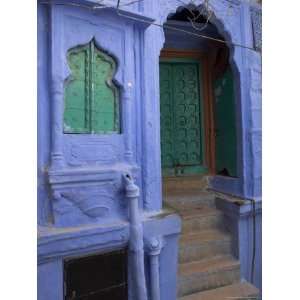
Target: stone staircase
x=207, y=269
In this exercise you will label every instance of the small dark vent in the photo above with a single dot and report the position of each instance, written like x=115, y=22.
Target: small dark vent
x=97, y=277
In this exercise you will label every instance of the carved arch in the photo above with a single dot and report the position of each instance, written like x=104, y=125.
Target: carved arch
x=229, y=27
x=226, y=25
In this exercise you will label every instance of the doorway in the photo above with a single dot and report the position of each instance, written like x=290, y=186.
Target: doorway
x=182, y=122
x=197, y=102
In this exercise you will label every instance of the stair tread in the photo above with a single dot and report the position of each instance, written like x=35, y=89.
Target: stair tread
x=189, y=192
x=205, y=235
x=185, y=179
x=198, y=211
x=189, y=199
x=235, y=290
x=189, y=210
x=208, y=265
x=192, y=208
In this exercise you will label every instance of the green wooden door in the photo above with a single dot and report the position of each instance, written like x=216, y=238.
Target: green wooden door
x=181, y=120
x=225, y=125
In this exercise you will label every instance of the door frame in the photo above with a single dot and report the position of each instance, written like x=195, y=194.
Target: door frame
x=207, y=96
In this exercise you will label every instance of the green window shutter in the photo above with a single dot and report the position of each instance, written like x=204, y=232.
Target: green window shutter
x=91, y=97
x=76, y=116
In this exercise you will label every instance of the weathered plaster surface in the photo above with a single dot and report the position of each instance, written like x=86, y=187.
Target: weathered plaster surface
x=239, y=219
x=57, y=244
x=81, y=202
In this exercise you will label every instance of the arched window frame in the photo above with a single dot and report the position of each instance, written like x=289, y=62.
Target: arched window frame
x=91, y=92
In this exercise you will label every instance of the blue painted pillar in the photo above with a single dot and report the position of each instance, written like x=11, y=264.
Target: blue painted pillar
x=154, y=247
x=136, y=244
x=50, y=280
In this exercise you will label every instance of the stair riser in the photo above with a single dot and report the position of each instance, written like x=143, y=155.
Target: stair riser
x=202, y=223
x=176, y=185
x=205, y=281
x=239, y=291
x=203, y=250
x=253, y=297
x=191, y=200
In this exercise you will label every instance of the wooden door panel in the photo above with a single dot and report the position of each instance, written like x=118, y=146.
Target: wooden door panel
x=187, y=107
x=181, y=122
x=225, y=126
x=166, y=116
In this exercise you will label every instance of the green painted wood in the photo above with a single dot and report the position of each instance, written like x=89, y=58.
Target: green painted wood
x=181, y=122
x=76, y=115
x=225, y=125
x=91, y=98
x=167, y=117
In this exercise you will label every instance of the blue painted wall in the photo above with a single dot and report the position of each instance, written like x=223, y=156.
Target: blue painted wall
x=81, y=204
x=181, y=40
x=244, y=222
x=239, y=219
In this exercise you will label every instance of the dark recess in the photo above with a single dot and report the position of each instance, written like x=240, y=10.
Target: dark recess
x=97, y=277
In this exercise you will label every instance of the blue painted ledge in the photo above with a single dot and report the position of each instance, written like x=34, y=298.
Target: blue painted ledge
x=57, y=244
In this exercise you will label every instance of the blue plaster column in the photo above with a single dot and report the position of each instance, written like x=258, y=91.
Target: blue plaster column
x=154, y=247
x=57, y=92
x=50, y=280
x=128, y=123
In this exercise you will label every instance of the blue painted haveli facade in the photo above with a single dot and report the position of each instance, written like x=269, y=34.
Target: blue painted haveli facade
x=83, y=202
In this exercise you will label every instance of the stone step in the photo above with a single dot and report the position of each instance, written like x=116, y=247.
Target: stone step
x=189, y=198
x=200, y=218
x=207, y=274
x=204, y=244
x=185, y=183
x=238, y=291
